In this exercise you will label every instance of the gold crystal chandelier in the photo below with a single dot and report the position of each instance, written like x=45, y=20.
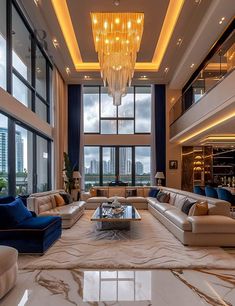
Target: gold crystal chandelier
x=117, y=38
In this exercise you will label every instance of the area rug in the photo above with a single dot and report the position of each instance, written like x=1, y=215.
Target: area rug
x=148, y=245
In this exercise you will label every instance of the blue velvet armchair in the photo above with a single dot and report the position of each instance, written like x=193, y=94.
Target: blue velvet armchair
x=23, y=230
x=211, y=192
x=226, y=195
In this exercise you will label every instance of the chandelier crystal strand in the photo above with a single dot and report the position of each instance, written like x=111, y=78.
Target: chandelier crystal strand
x=117, y=38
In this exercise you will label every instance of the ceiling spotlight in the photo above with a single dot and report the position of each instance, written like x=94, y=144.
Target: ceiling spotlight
x=166, y=69
x=221, y=20
x=192, y=65
x=116, y=2
x=55, y=43
x=179, y=42
x=67, y=69
x=86, y=77
x=198, y=2
x=143, y=76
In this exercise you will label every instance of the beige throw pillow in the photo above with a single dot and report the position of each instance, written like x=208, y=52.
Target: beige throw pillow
x=200, y=208
x=59, y=200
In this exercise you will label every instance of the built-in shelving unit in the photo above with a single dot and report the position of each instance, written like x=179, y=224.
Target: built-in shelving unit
x=223, y=165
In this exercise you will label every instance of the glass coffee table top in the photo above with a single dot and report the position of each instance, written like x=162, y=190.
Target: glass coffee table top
x=106, y=213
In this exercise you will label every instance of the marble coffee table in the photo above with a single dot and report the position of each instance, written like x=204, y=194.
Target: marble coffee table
x=107, y=218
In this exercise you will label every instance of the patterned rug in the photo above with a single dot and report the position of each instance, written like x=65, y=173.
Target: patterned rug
x=147, y=245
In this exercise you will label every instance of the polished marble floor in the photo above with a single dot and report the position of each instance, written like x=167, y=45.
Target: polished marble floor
x=127, y=288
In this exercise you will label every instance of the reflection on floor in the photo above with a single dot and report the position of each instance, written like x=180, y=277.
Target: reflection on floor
x=135, y=287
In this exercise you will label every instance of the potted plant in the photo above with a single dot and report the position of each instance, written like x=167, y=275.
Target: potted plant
x=68, y=174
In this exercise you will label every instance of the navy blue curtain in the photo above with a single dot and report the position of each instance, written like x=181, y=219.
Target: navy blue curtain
x=160, y=127
x=74, y=122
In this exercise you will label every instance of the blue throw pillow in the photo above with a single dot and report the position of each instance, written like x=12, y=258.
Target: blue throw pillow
x=13, y=213
x=153, y=192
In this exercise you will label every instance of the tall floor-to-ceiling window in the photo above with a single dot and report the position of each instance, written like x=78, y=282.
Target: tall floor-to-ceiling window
x=117, y=138
x=25, y=73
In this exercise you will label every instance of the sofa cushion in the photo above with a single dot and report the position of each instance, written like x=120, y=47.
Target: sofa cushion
x=140, y=192
x=179, y=201
x=45, y=203
x=116, y=191
x=97, y=200
x=120, y=199
x=153, y=192
x=179, y=219
x=131, y=193
x=65, y=212
x=9, y=258
x=13, y=213
x=162, y=206
x=212, y=224
x=172, y=198
x=186, y=206
x=163, y=197
x=67, y=197
x=200, y=208
x=136, y=200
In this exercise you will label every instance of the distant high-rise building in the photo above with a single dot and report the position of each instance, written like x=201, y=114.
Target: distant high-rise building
x=19, y=152
x=112, y=160
x=94, y=167
x=139, y=168
x=3, y=150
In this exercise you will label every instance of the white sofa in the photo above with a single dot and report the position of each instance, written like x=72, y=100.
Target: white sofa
x=43, y=204
x=215, y=229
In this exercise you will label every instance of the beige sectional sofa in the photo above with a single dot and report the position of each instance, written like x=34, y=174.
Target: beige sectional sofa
x=125, y=194
x=44, y=204
x=217, y=228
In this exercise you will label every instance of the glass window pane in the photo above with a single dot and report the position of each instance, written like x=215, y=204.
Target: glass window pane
x=108, y=127
x=21, y=92
x=91, y=109
x=126, y=109
x=125, y=164
x=143, y=110
x=107, y=107
x=92, y=168
x=41, y=109
x=142, y=166
x=21, y=46
x=3, y=44
x=125, y=126
x=3, y=155
x=42, y=164
x=24, y=160
x=108, y=165
x=40, y=73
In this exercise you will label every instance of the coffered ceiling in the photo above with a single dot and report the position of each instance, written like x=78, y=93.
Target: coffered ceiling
x=171, y=29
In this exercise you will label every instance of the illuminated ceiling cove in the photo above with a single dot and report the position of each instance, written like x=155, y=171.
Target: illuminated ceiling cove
x=66, y=24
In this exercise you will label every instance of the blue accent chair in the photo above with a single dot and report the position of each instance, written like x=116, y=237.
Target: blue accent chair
x=226, y=195
x=199, y=190
x=24, y=231
x=211, y=192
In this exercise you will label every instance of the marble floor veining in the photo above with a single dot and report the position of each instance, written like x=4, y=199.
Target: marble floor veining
x=122, y=287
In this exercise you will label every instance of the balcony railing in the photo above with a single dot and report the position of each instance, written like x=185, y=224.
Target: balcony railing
x=216, y=69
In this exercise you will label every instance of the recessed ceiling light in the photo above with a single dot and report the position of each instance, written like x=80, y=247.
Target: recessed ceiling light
x=67, y=69
x=143, y=76
x=198, y=2
x=87, y=77
x=221, y=20
x=166, y=69
x=192, y=65
x=55, y=43
x=179, y=42
x=116, y=2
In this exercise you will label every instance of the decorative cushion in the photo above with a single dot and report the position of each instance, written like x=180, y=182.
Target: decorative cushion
x=153, y=192
x=131, y=193
x=179, y=201
x=163, y=197
x=102, y=192
x=186, y=206
x=116, y=191
x=199, y=209
x=59, y=200
x=67, y=197
x=13, y=213
x=93, y=192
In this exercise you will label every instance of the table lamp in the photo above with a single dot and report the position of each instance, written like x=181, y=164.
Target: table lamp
x=159, y=176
